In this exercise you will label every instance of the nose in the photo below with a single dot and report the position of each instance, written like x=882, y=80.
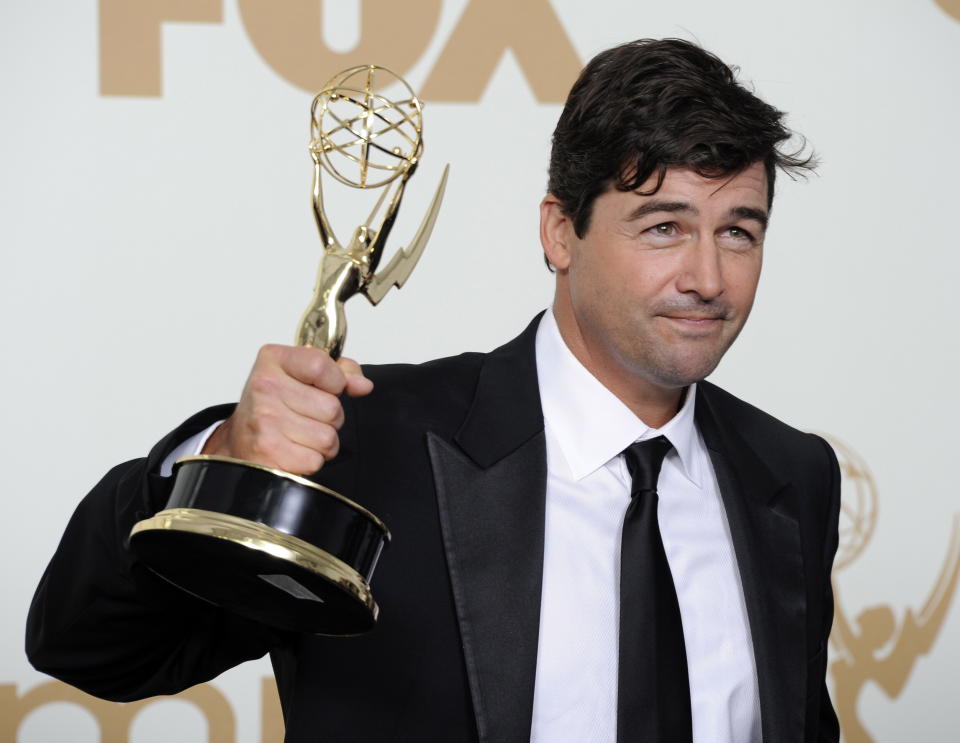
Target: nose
x=701, y=272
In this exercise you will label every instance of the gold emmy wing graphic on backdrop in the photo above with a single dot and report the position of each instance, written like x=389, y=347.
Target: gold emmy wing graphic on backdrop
x=270, y=545
x=857, y=645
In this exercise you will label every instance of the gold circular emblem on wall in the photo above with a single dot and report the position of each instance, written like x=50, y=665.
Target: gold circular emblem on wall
x=858, y=510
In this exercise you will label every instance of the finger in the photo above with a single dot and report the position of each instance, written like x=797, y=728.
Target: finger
x=349, y=366
x=299, y=460
x=314, y=366
x=307, y=433
x=274, y=448
x=271, y=390
x=314, y=404
x=357, y=385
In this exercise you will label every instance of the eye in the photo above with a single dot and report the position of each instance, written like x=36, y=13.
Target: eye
x=739, y=233
x=664, y=229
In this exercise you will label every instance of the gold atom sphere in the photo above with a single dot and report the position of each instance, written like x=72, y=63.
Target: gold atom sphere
x=363, y=138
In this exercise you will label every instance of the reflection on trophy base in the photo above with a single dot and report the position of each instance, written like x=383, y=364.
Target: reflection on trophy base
x=265, y=544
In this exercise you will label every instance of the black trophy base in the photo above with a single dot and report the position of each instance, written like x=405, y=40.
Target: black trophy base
x=218, y=539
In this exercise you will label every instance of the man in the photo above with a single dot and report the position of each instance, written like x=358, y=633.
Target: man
x=519, y=600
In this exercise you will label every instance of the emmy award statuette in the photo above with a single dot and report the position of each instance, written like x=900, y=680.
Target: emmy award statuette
x=269, y=545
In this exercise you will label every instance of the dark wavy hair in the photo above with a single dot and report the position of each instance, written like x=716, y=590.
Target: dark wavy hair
x=644, y=106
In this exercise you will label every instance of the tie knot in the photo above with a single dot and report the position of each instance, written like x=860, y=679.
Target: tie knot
x=644, y=459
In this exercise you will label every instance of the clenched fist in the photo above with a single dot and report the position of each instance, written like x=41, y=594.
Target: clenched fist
x=289, y=413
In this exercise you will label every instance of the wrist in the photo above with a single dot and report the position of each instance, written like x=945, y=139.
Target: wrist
x=217, y=443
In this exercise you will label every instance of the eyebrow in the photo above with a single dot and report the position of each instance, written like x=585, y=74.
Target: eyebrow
x=651, y=207
x=655, y=206
x=747, y=212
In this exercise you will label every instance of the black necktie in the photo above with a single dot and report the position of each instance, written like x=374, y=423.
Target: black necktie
x=653, y=703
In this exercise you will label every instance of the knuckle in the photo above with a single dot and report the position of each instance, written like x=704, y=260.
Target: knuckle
x=329, y=375
x=339, y=381
x=269, y=352
x=263, y=420
x=306, y=463
x=263, y=385
x=332, y=378
x=329, y=408
x=334, y=448
x=327, y=439
x=317, y=366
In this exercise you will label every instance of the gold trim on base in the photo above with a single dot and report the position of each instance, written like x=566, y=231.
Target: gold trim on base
x=263, y=538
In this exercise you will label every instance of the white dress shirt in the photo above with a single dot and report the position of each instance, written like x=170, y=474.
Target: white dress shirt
x=189, y=448
x=588, y=490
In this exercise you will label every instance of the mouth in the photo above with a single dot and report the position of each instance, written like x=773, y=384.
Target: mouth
x=695, y=324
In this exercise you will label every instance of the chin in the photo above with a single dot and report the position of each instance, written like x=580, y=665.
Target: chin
x=681, y=373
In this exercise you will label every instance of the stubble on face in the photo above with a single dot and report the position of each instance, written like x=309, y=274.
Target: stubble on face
x=676, y=358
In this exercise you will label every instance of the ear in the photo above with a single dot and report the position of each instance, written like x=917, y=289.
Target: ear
x=556, y=232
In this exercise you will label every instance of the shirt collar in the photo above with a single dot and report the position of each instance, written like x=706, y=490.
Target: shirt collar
x=591, y=425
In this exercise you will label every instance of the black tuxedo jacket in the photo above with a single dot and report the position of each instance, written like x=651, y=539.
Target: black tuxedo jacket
x=451, y=455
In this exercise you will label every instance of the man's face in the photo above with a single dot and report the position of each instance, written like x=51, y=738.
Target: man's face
x=660, y=286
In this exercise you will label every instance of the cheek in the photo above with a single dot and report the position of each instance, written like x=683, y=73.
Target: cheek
x=591, y=274
x=621, y=282
x=741, y=278
x=651, y=279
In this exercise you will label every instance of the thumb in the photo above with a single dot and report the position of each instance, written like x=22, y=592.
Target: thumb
x=357, y=384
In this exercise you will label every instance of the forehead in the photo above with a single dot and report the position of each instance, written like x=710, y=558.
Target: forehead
x=746, y=188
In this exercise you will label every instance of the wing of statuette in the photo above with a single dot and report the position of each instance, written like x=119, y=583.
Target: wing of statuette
x=398, y=270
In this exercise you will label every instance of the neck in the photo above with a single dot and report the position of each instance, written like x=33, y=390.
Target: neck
x=653, y=404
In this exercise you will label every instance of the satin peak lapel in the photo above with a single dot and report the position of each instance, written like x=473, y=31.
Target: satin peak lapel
x=766, y=540
x=491, y=490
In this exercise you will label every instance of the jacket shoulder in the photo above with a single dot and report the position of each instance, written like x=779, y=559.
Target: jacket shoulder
x=427, y=372
x=436, y=393
x=786, y=448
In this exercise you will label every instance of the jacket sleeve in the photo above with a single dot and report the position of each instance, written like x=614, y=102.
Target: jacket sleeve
x=107, y=625
x=829, y=727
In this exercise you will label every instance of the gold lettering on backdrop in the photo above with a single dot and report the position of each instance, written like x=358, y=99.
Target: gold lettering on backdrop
x=131, y=55
x=486, y=30
x=858, y=644
x=289, y=36
x=113, y=719
x=950, y=6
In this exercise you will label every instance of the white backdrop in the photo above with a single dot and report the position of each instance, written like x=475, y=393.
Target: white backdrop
x=150, y=244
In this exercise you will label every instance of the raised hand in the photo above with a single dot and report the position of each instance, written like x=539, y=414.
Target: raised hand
x=289, y=413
